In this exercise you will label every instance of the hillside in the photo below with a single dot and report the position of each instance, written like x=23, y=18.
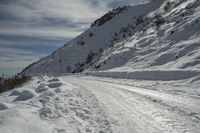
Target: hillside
x=136, y=70
x=158, y=35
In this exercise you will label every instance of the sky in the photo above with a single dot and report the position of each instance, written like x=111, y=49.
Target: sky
x=32, y=29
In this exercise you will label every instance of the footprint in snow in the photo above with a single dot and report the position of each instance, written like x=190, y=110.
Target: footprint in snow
x=58, y=90
x=3, y=106
x=58, y=130
x=15, y=93
x=82, y=115
x=54, y=85
x=25, y=95
x=41, y=88
x=53, y=80
x=45, y=112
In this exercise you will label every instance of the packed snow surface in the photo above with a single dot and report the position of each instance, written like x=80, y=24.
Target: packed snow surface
x=83, y=104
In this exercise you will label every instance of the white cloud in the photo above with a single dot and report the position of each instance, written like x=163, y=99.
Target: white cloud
x=10, y=57
x=30, y=17
x=47, y=19
x=36, y=9
x=41, y=32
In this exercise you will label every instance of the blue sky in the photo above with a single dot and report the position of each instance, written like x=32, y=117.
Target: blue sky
x=31, y=29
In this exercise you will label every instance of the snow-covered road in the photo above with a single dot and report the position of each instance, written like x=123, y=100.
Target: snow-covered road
x=138, y=110
x=89, y=104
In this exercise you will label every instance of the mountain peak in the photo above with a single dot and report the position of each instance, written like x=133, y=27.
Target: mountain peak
x=155, y=35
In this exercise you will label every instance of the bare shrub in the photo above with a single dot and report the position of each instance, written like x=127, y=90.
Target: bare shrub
x=13, y=82
x=159, y=20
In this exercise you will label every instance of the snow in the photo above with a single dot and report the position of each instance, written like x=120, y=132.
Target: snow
x=83, y=103
x=135, y=108
x=71, y=109
x=41, y=88
x=148, y=74
x=25, y=95
x=3, y=106
x=124, y=41
x=15, y=93
x=54, y=85
x=129, y=75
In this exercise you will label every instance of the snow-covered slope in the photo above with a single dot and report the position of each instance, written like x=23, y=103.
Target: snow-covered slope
x=161, y=34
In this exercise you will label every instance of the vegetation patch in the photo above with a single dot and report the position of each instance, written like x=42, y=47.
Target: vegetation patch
x=91, y=34
x=13, y=82
x=159, y=20
x=168, y=6
x=89, y=57
x=108, y=16
x=81, y=43
x=139, y=20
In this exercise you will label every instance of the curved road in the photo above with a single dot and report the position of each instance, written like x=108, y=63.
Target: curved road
x=138, y=110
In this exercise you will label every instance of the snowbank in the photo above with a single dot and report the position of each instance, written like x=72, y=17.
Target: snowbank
x=49, y=105
x=165, y=75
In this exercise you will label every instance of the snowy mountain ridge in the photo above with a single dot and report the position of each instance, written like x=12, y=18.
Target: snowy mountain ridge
x=158, y=35
x=139, y=72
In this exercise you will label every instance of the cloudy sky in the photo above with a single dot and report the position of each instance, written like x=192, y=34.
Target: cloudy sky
x=31, y=29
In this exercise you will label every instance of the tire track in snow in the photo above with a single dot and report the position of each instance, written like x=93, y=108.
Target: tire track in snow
x=147, y=113
x=191, y=102
x=172, y=104
x=78, y=108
